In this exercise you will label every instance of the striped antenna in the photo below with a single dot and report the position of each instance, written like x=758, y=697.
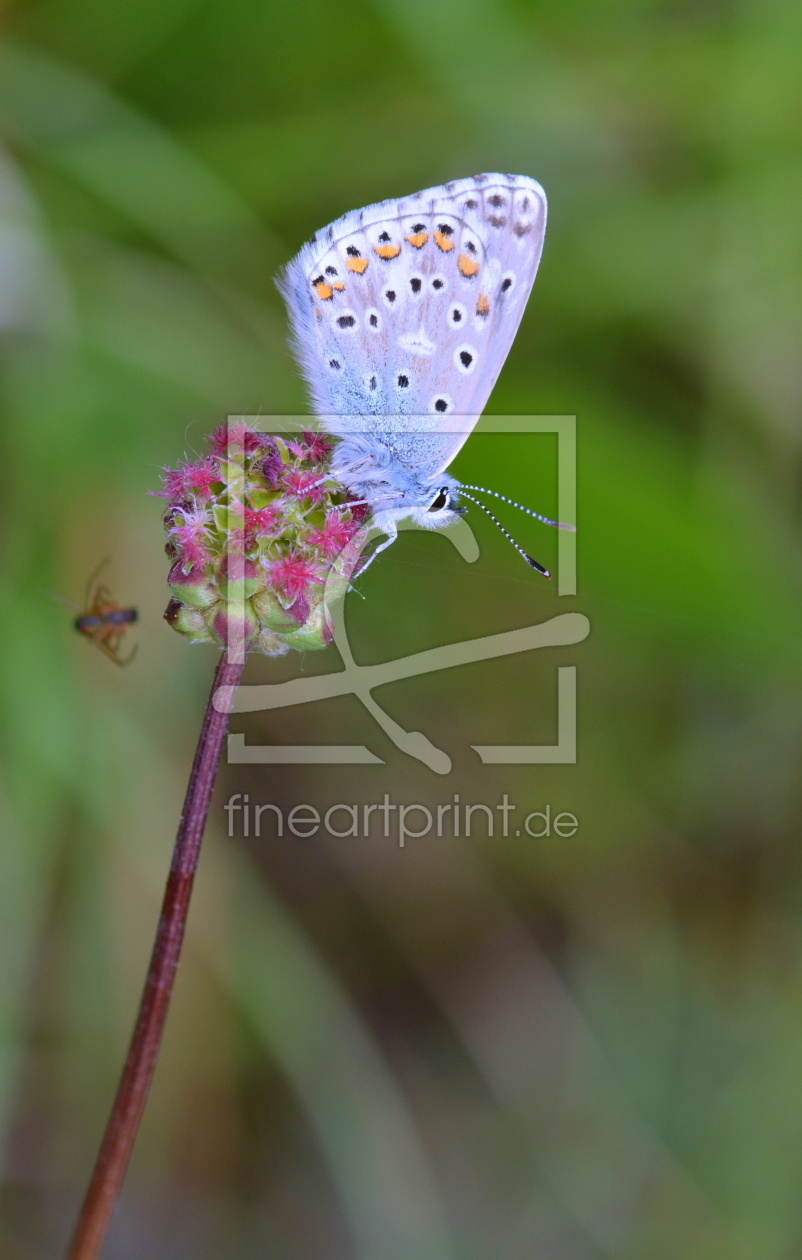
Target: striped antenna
x=520, y=506
x=533, y=563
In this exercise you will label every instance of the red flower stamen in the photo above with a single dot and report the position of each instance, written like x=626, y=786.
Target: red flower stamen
x=237, y=436
x=266, y=522
x=333, y=536
x=190, y=532
x=292, y=575
x=304, y=485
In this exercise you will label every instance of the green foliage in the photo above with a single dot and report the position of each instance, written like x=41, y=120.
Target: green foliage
x=478, y=1047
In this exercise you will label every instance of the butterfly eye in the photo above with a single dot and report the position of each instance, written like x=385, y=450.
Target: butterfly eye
x=440, y=502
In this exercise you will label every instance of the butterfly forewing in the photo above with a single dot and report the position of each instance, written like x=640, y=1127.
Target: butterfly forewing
x=404, y=312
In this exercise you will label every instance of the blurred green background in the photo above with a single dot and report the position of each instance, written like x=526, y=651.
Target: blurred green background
x=567, y=1049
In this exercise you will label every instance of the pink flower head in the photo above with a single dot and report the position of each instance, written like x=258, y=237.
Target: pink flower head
x=190, y=479
x=333, y=536
x=238, y=436
x=261, y=523
x=312, y=446
x=292, y=575
x=304, y=485
x=173, y=484
x=316, y=446
x=201, y=476
x=191, y=535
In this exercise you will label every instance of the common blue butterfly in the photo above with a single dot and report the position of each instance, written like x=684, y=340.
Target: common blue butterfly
x=402, y=316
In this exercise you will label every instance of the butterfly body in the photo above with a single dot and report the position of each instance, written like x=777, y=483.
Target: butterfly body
x=403, y=314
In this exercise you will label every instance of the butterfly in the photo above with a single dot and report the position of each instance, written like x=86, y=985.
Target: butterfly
x=402, y=315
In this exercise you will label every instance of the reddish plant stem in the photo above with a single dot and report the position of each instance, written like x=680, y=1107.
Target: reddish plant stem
x=132, y=1092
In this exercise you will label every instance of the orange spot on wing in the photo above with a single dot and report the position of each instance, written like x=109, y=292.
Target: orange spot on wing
x=418, y=239
x=467, y=265
x=338, y=285
x=443, y=241
x=323, y=290
x=483, y=305
x=387, y=251
x=359, y=265
x=318, y=312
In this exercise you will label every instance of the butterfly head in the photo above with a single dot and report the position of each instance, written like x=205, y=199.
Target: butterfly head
x=431, y=504
x=442, y=508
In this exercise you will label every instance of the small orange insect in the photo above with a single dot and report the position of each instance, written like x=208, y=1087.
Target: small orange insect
x=103, y=622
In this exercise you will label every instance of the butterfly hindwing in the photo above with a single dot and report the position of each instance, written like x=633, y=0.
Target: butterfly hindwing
x=407, y=309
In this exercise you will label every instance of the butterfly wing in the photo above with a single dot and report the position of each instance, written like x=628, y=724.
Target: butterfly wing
x=403, y=313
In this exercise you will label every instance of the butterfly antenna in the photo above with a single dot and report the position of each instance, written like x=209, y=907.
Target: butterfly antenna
x=533, y=563
x=545, y=519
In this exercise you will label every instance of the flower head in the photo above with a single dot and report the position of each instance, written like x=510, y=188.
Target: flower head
x=190, y=533
x=201, y=476
x=190, y=480
x=237, y=436
x=303, y=485
x=262, y=523
x=333, y=535
x=311, y=446
x=261, y=540
x=292, y=575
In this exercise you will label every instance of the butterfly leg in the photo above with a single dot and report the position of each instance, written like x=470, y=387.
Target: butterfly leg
x=392, y=533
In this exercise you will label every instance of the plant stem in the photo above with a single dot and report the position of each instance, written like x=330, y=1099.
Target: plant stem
x=132, y=1092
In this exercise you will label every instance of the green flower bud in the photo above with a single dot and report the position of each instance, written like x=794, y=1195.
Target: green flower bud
x=231, y=624
x=315, y=633
x=272, y=614
x=237, y=577
x=190, y=622
x=195, y=588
